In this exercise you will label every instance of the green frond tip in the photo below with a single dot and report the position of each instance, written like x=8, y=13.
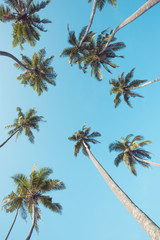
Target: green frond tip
x=84, y=136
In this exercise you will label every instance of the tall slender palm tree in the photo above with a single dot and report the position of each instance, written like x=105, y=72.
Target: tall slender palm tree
x=34, y=190
x=24, y=122
x=39, y=71
x=14, y=202
x=95, y=59
x=96, y=4
x=131, y=152
x=26, y=21
x=123, y=86
x=83, y=138
x=144, y=8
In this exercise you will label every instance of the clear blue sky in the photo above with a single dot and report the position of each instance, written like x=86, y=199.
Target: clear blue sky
x=90, y=209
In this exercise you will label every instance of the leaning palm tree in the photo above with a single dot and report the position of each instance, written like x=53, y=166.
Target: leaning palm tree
x=25, y=20
x=92, y=56
x=123, y=86
x=14, y=202
x=96, y=4
x=39, y=71
x=34, y=190
x=83, y=138
x=145, y=7
x=24, y=122
x=131, y=152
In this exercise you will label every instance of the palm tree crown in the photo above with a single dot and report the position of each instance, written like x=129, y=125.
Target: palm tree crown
x=95, y=59
x=101, y=3
x=25, y=122
x=131, y=152
x=33, y=191
x=75, y=52
x=84, y=136
x=123, y=86
x=26, y=22
x=88, y=54
x=40, y=72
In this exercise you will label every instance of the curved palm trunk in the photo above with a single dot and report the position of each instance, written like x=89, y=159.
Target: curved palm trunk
x=146, y=223
x=9, y=137
x=145, y=161
x=6, y=54
x=149, y=4
x=90, y=21
x=145, y=84
x=12, y=224
x=33, y=223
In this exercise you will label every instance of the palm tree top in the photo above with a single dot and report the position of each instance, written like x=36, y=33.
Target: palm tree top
x=39, y=73
x=25, y=122
x=101, y=3
x=84, y=136
x=131, y=151
x=95, y=59
x=123, y=86
x=89, y=53
x=26, y=21
x=34, y=189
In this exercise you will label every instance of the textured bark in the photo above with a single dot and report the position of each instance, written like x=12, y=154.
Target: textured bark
x=9, y=137
x=146, y=223
x=33, y=223
x=90, y=22
x=145, y=84
x=149, y=4
x=6, y=54
x=12, y=224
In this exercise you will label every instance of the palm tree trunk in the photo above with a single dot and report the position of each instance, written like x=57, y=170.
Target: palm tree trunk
x=146, y=223
x=2, y=53
x=90, y=21
x=33, y=223
x=12, y=223
x=145, y=84
x=9, y=137
x=149, y=4
x=146, y=161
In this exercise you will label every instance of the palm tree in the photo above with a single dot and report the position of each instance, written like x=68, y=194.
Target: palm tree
x=34, y=191
x=83, y=138
x=96, y=4
x=26, y=21
x=14, y=202
x=123, y=86
x=39, y=72
x=144, y=8
x=75, y=52
x=24, y=122
x=131, y=152
x=92, y=56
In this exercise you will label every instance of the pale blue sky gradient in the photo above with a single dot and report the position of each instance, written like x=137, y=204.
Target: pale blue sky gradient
x=90, y=209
